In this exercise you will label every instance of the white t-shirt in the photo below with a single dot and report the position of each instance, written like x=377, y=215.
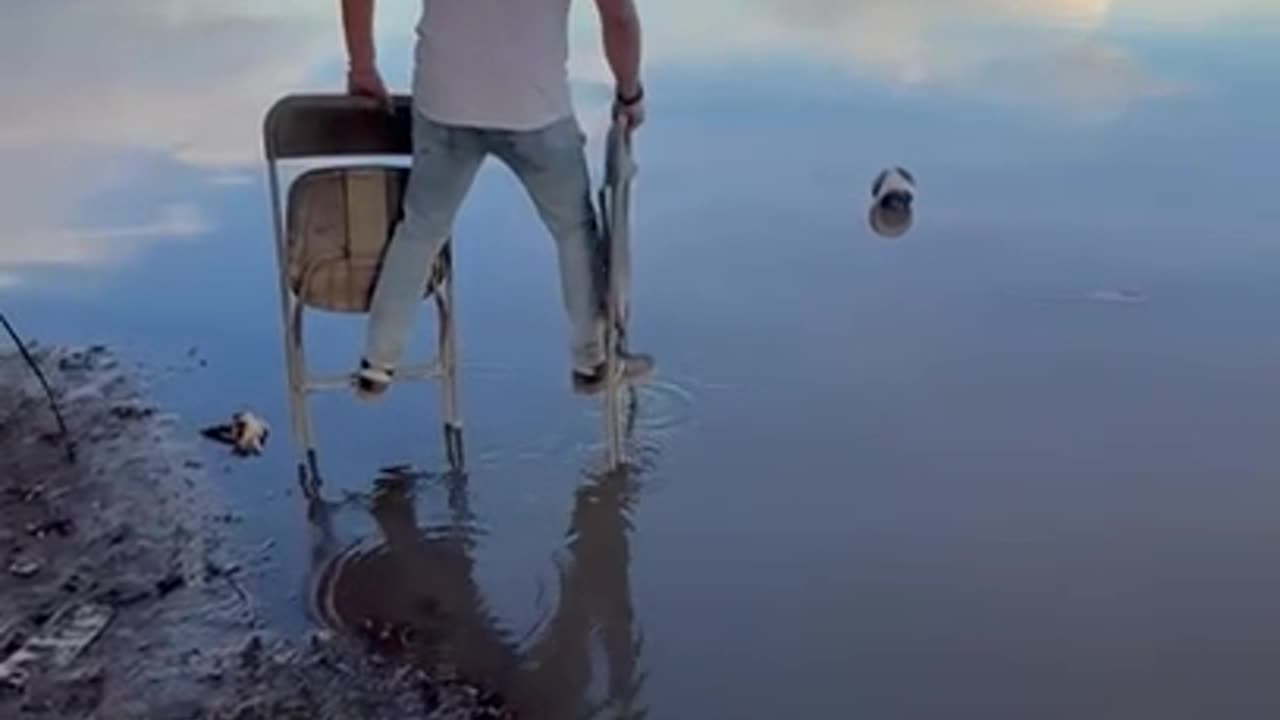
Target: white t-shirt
x=493, y=63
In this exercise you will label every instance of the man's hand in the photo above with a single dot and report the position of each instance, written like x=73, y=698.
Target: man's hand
x=366, y=82
x=363, y=79
x=620, y=24
x=628, y=107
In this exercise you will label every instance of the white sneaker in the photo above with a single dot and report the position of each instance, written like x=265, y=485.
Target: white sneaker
x=371, y=382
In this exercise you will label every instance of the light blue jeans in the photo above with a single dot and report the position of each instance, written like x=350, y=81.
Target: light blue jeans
x=551, y=164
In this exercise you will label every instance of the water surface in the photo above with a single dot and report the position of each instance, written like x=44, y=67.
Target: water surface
x=1018, y=463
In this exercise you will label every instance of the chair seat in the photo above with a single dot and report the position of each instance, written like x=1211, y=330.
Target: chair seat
x=339, y=222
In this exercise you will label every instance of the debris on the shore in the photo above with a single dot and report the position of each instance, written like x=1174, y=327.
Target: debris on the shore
x=70, y=631
x=132, y=411
x=57, y=526
x=251, y=653
x=24, y=568
x=246, y=433
x=169, y=583
x=124, y=593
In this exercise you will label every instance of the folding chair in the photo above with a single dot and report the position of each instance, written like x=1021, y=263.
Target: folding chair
x=615, y=214
x=331, y=234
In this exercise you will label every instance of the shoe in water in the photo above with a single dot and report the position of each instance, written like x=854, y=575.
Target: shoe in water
x=634, y=369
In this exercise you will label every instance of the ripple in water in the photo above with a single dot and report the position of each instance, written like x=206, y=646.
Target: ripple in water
x=661, y=406
x=414, y=597
x=410, y=593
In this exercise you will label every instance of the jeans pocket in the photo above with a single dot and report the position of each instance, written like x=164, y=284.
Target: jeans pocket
x=431, y=137
x=564, y=134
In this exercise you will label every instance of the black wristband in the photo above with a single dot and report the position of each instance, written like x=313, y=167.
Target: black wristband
x=629, y=101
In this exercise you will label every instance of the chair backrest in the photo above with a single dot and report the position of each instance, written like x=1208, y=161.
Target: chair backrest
x=339, y=220
x=300, y=126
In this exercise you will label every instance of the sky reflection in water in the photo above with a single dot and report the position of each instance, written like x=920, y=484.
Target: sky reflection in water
x=946, y=473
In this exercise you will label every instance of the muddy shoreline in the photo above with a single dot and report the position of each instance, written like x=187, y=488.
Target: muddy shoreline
x=119, y=590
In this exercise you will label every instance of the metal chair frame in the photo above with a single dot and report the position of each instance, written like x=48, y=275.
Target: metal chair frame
x=614, y=199
x=303, y=128
x=311, y=127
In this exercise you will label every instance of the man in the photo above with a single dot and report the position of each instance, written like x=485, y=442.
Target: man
x=490, y=78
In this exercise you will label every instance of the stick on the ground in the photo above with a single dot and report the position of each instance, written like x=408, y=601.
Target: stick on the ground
x=44, y=383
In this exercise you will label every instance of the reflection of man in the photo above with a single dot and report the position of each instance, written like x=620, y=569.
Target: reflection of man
x=417, y=597
x=595, y=601
x=429, y=585
x=490, y=78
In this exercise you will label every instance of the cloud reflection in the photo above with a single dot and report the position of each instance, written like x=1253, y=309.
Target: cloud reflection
x=189, y=80
x=113, y=86
x=997, y=48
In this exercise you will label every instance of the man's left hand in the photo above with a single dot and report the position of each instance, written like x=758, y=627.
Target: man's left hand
x=629, y=107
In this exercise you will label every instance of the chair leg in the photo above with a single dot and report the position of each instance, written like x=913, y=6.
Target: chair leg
x=615, y=332
x=308, y=466
x=295, y=380
x=448, y=356
x=291, y=318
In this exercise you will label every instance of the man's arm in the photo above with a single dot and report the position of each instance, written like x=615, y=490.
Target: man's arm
x=621, y=28
x=362, y=61
x=357, y=27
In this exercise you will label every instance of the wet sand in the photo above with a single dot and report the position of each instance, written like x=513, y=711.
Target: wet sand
x=126, y=554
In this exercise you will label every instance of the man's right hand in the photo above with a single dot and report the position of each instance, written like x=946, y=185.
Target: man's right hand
x=366, y=82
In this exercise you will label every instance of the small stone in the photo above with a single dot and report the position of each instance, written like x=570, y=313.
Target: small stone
x=214, y=569
x=73, y=362
x=320, y=638
x=251, y=653
x=35, y=705
x=132, y=412
x=25, y=568
x=119, y=535
x=124, y=593
x=59, y=526
x=72, y=584
x=169, y=583
x=51, y=437
x=40, y=616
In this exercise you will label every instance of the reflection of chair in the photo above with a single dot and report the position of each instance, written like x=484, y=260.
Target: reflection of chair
x=330, y=237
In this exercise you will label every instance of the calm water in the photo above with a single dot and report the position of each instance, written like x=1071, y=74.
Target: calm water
x=958, y=474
